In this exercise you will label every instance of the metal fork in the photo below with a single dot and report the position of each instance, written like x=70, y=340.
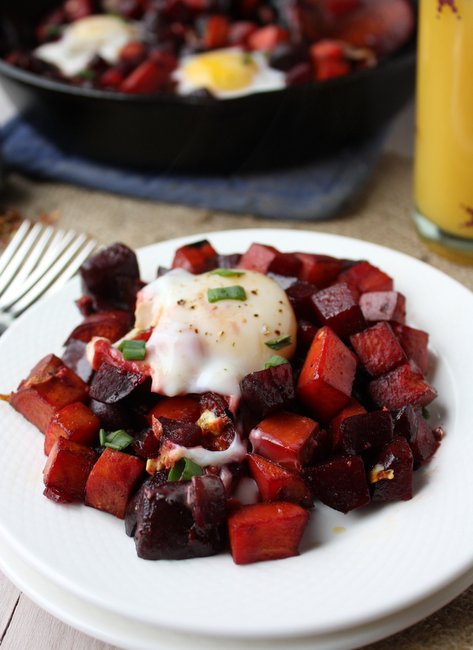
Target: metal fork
x=38, y=260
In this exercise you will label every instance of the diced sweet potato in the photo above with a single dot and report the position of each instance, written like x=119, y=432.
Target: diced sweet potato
x=391, y=474
x=410, y=423
x=366, y=277
x=198, y=257
x=180, y=520
x=263, y=259
x=266, y=38
x=49, y=386
x=276, y=483
x=75, y=422
x=403, y=385
x=67, y=469
x=112, y=481
x=365, y=431
x=378, y=349
x=320, y=270
x=266, y=531
x=352, y=408
x=340, y=483
x=111, y=325
x=383, y=305
x=326, y=378
x=414, y=343
x=337, y=308
x=184, y=408
x=286, y=438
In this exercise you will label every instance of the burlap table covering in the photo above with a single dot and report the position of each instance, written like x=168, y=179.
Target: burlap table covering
x=381, y=214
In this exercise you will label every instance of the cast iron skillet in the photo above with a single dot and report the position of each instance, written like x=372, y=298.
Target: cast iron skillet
x=202, y=135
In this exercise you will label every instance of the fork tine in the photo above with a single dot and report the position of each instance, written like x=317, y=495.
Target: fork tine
x=72, y=267
x=13, y=245
x=49, y=277
x=19, y=256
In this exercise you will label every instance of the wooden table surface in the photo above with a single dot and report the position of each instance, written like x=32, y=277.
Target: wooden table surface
x=381, y=215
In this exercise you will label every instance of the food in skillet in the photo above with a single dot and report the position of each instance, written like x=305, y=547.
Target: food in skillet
x=245, y=388
x=213, y=48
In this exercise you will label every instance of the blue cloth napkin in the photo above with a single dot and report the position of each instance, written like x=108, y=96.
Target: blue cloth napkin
x=314, y=191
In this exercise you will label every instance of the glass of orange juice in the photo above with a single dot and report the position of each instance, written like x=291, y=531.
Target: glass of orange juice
x=444, y=128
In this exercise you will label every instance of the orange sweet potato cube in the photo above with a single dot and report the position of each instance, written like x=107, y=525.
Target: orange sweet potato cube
x=276, y=483
x=326, y=378
x=49, y=386
x=75, y=422
x=112, y=481
x=266, y=531
x=66, y=470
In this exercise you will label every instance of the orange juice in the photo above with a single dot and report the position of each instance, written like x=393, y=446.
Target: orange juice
x=444, y=129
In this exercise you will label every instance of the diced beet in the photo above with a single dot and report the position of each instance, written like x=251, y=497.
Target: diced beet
x=185, y=408
x=67, y=469
x=288, y=55
x=111, y=384
x=135, y=503
x=75, y=422
x=230, y=261
x=263, y=259
x=111, y=325
x=403, y=385
x=326, y=379
x=320, y=270
x=300, y=296
x=366, y=277
x=378, y=349
x=77, y=9
x=147, y=79
x=267, y=38
x=75, y=358
x=276, y=483
x=306, y=332
x=414, y=343
x=286, y=438
x=49, y=386
x=198, y=257
x=181, y=520
x=112, y=481
x=267, y=391
x=383, y=305
x=337, y=308
x=266, y=531
x=186, y=434
x=410, y=423
x=240, y=31
x=391, y=474
x=214, y=31
x=365, y=431
x=146, y=444
x=353, y=407
x=340, y=483
x=112, y=277
x=112, y=416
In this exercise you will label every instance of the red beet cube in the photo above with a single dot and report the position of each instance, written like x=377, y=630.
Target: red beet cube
x=111, y=325
x=75, y=422
x=306, y=332
x=147, y=79
x=327, y=376
x=403, y=385
x=286, y=438
x=366, y=277
x=266, y=38
x=214, y=31
x=391, y=474
x=266, y=531
x=336, y=307
x=414, y=343
x=340, y=483
x=300, y=296
x=77, y=9
x=383, y=305
x=49, y=386
x=378, y=349
x=112, y=481
x=365, y=431
x=266, y=391
x=67, y=469
x=320, y=270
x=240, y=31
x=276, y=483
x=198, y=257
x=184, y=408
x=422, y=440
x=352, y=408
x=265, y=259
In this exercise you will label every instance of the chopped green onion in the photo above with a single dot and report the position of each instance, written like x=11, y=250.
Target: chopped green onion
x=184, y=470
x=247, y=58
x=425, y=413
x=226, y=293
x=279, y=342
x=133, y=350
x=88, y=75
x=117, y=440
x=227, y=273
x=53, y=31
x=275, y=360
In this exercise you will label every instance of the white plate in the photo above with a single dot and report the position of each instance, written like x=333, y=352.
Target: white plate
x=388, y=558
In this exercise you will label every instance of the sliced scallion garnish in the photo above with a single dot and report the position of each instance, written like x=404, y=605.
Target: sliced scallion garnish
x=184, y=470
x=275, y=360
x=133, y=350
x=118, y=440
x=227, y=273
x=235, y=292
x=279, y=342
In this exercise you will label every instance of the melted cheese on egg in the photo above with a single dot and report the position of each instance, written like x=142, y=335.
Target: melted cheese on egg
x=197, y=346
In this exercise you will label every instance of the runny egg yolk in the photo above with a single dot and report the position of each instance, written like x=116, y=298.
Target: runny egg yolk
x=220, y=71
x=197, y=345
